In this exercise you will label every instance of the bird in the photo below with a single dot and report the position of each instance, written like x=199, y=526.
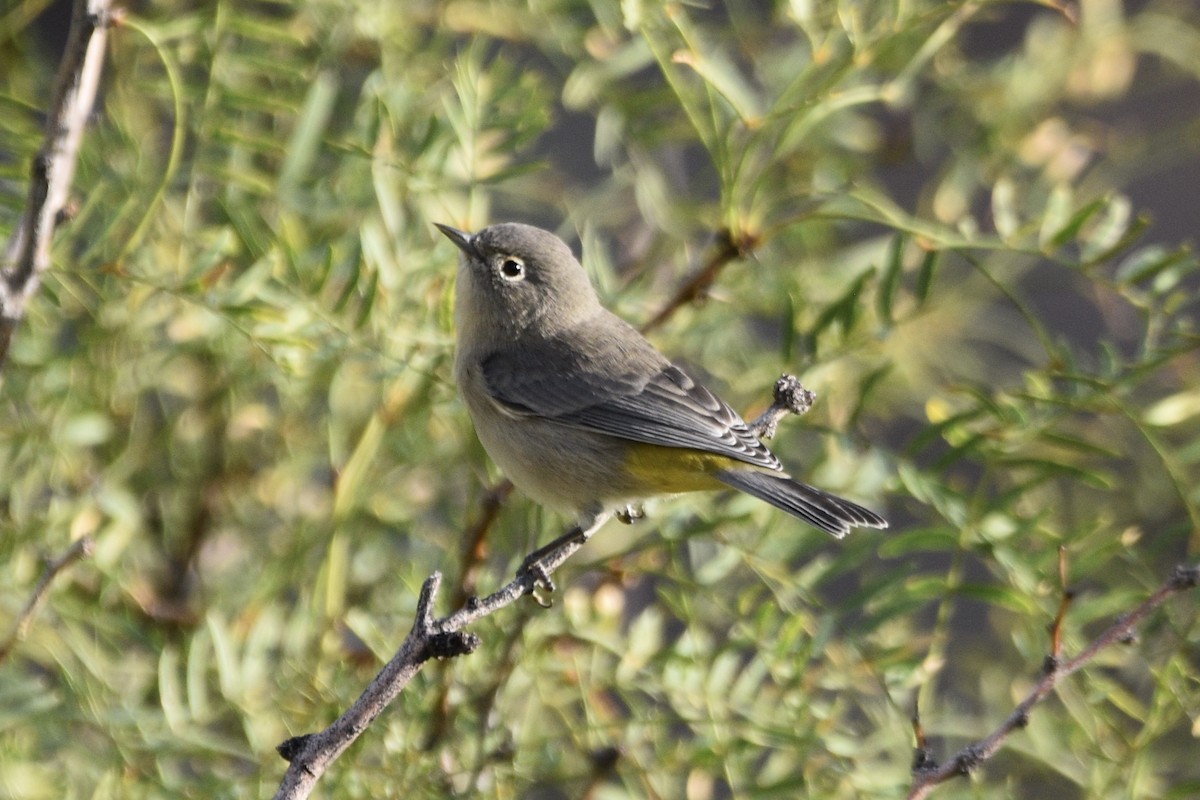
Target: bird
x=581, y=412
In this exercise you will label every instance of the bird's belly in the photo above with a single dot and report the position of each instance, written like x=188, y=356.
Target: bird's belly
x=557, y=466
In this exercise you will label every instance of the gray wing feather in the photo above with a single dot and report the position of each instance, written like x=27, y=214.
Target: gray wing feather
x=674, y=410
x=610, y=380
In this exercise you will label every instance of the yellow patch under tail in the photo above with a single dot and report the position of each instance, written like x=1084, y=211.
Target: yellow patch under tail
x=669, y=470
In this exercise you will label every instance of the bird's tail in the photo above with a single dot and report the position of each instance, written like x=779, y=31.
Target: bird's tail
x=820, y=509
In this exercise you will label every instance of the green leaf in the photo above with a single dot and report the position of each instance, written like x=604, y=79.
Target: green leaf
x=170, y=693
x=310, y=128
x=963, y=447
x=348, y=492
x=1132, y=233
x=1175, y=409
x=1075, y=223
x=1149, y=263
x=368, y=300
x=943, y=429
x=1056, y=216
x=890, y=279
x=87, y=430
x=917, y=540
x=842, y=311
x=353, y=274
x=1004, y=208
x=1002, y=596
x=1092, y=477
x=867, y=387
x=1059, y=439
x=1110, y=230
x=925, y=274
x=789, y=334
x=720, y=73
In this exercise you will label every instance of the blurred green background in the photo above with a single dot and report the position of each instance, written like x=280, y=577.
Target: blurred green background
x=964, y=226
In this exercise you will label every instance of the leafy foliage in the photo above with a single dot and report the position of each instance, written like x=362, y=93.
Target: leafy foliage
x=237, y=378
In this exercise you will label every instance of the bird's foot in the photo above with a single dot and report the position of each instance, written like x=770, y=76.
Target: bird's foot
x=631, y=514
x=536, y=570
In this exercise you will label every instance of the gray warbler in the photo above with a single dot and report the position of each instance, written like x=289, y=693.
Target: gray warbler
x=581, y=412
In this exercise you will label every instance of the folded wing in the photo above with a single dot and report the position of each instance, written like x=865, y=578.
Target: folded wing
x=627, y=390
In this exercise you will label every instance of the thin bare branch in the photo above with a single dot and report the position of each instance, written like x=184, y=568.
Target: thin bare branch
x=1064, y=605
x=728, y=249
x=310, y=755
x=82, y=548
x=790, y=397
x=928, y=773
x=27, y=255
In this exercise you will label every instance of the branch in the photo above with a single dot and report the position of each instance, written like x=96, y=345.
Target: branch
x=927, y=773
x=790, y=398
x=310, y=755
x=82, y=548
x=728, y=249
x=27, y=255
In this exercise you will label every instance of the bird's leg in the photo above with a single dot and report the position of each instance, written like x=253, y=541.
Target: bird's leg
x=543, y=561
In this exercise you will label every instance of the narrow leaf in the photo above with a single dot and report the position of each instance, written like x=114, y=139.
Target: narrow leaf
x=891, y=277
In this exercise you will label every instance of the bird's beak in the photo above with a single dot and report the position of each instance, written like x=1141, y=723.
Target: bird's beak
x=462, y=240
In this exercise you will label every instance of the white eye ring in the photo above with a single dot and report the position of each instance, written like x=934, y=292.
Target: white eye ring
x=512, y=269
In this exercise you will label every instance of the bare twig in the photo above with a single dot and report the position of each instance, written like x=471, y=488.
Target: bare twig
x=927, y=773
x=1064, y=604
x=310, y=755
x=922, y=757
x=790, y=398
x=728, y=249
x=27, y=255
x=82, y=548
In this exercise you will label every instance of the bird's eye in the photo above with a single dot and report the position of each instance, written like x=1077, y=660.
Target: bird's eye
x=512, y=268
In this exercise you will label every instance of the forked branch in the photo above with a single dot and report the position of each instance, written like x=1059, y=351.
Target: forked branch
x=927, y=773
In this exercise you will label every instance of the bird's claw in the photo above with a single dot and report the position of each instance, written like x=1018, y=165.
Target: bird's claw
x=534, y=568
x=630, y=514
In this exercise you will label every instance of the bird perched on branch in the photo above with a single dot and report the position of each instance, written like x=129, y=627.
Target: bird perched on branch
x=581, y=412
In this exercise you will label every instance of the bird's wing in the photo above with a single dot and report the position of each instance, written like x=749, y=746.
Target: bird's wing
x=644, y=399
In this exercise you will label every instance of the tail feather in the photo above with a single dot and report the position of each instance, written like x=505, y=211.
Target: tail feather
x=820, y=509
